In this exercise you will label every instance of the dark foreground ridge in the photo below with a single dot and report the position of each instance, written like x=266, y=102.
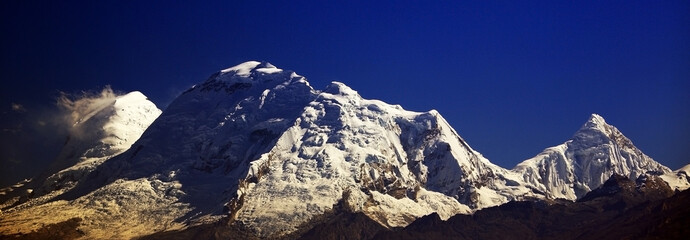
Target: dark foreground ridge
x=62, y=230
x=621, y=209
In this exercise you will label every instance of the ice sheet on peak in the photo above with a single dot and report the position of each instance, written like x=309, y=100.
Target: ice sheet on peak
x=242, y=68
x=245, y=69
x=595, y=152
x=244, y=76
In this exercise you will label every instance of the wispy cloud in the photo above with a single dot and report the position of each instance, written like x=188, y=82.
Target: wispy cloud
x=77, y=109
x=33, y=137
x=18, y=107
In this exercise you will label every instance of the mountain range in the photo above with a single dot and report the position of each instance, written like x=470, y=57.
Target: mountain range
x=257, y=151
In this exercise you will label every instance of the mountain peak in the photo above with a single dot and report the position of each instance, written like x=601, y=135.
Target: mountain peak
x=249, y=75
x=596, y=151
x=596, y=131
x=596, y=119
x=130, y=98
x=338, y=88
x=597, y=122
x=246, y=68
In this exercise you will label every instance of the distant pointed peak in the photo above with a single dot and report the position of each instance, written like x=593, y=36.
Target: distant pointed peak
x=596, y=119
x=597, y=122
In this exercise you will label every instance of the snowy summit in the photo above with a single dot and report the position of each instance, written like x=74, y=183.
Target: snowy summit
x=594, y=153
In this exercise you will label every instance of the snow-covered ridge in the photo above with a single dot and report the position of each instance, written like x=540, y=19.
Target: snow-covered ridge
x=595, y=152
x=596, y=121
x=678, y=179
x=258, y=147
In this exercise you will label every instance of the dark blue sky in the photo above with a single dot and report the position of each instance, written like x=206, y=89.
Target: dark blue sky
x=512, y=78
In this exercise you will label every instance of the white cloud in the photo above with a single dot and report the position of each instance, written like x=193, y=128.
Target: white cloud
x=78, y=109
x=18, y=107
x=35, y=137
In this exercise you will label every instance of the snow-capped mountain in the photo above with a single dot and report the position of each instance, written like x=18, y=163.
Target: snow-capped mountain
x=391, y=164
x=678, y=179
x=586, y=161
x=107, y=129
x=259, y=144
x=257, y=148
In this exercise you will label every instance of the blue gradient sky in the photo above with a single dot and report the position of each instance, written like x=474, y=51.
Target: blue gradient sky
x=512, y=78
